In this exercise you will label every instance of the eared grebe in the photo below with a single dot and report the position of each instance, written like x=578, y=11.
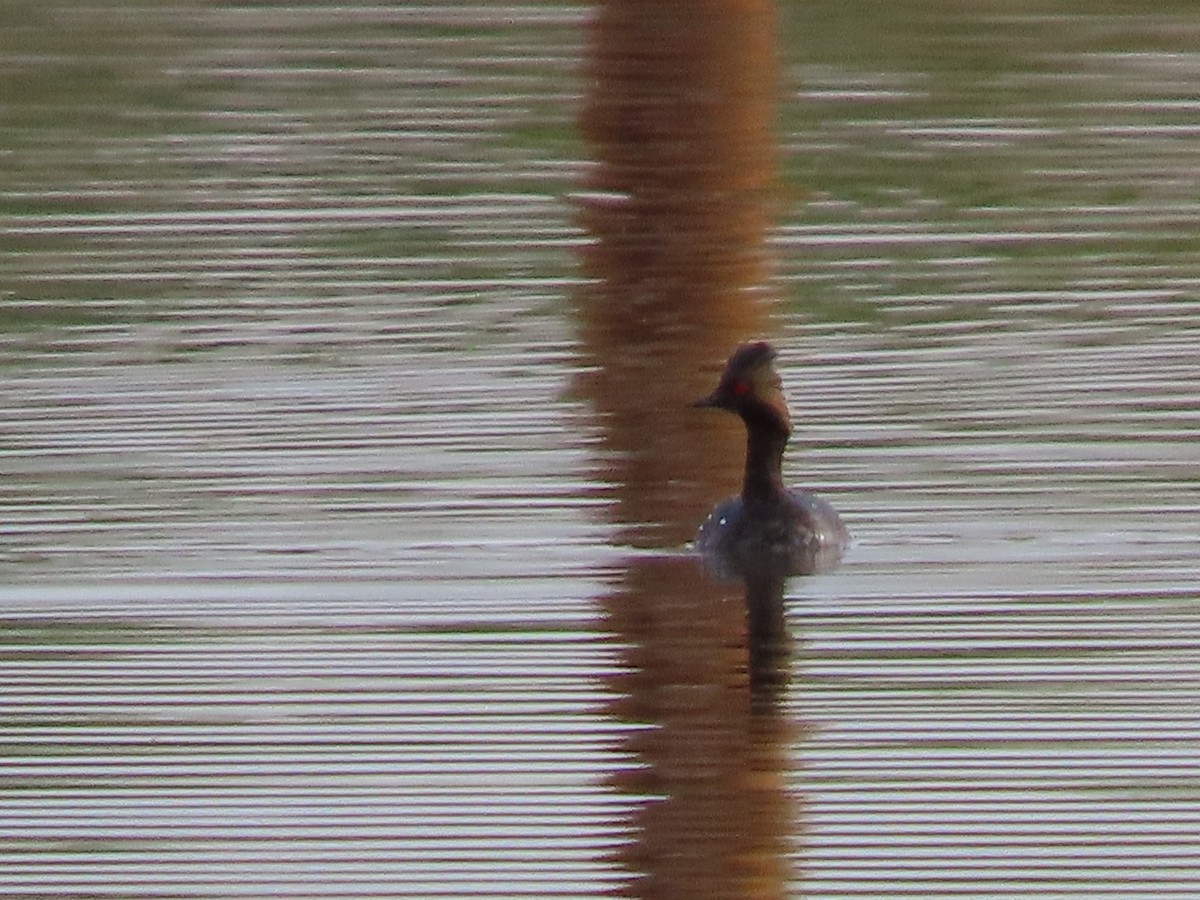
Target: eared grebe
x=767, y=528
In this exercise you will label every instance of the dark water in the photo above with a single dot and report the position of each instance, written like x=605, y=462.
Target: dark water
x=332, y=567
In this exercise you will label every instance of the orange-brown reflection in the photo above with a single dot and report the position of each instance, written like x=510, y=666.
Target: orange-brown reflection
x=680, y=100
x=715, y=756
x=678, y=118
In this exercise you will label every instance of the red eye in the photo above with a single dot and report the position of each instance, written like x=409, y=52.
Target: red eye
x=740, y=388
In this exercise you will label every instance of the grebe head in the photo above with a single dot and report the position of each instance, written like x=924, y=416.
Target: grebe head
x=751, y=388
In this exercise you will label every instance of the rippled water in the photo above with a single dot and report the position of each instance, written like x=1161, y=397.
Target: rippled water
x=340, y=560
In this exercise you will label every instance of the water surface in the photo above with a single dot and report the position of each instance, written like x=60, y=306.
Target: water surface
x=326, y=573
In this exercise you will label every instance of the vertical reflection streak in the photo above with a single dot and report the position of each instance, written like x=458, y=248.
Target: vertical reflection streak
x=678, y=119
